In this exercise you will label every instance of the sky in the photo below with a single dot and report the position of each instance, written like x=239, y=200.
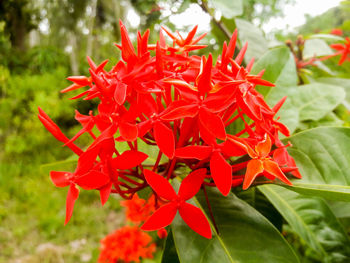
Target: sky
x=294, y=15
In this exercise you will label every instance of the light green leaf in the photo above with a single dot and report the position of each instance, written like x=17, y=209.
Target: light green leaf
x=257, y=44
x=245, y=235
x=327, y=37
x=228, y=8
x=341, y=82
x=315, y=100
x=313, y=221
x=310, y=102
x=279, y=69
x=316, y=48
x=323, y=157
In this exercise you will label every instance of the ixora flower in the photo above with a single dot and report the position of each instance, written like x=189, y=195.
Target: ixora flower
x=183, y=106
x=127, y=244
x=343, y=50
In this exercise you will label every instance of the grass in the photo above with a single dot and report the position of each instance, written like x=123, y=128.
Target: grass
x=32, y=212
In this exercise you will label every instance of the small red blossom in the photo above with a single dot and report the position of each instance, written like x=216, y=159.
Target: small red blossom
x=343, y=50
x=137, y=209
x=127, y=244
x=191, y=214
x=337, y=32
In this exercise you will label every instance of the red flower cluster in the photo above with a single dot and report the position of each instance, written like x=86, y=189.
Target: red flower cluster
x=138, y=209
x=184, y=104
x=127, y=244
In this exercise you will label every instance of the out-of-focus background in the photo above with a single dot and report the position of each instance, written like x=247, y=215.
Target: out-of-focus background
x=44, y=41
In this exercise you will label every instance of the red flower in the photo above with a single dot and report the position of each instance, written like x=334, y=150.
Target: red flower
x=337, y=32
x=261, y=163
x=343, y=50
x=127, y=244
x=191, y=214
x=137, y=209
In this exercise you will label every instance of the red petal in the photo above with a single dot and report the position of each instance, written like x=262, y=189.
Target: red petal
x=204, y=77
x=195, y=151
x=160, y=185
x=165, y=139
x=128, y=131
x=232, y=149
x=60, y=179
x=128, y=51
x=273, y=168
x=71, y=87
x=263, y=148
x=86, y=160
x=144, y=127
x=105, y=192
x=72, y=196
x=80, y=80
x=212, y=123
x=181, y=112
x=254, y=168
x=241, y=54
x=221, y=172
x=161, y=218
x=120, y=93
x=195, y=219
x=92, y=180
x=191, y=184
x=128, y=160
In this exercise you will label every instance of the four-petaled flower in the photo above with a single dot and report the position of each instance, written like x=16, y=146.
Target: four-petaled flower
x=191, y=214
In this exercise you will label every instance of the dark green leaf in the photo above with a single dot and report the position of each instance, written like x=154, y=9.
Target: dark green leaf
x=245, y=235
x=170, y=253
x=313, y=221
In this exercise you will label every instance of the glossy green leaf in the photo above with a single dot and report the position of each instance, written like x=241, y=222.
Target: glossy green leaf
x=279, y=69
x=312, y=219
x=310, y=102
x=170, y=253
x=254, y=197
x=257, y=44
x=228, y=8
x=316, y=48
x=323, y=157
x=245, y=235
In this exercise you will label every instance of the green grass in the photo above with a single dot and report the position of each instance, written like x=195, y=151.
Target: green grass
x=32, y=212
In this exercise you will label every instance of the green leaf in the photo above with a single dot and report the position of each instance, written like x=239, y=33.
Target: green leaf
x=228, y=8
x=310, y=102
x=327, y=37
x=312, y=219
x=257, y=44
x=279, y=69
x=256, y=199
x=170, y=253
x=245, y=235
x=315, y=100
x=344, y=83
x=316, y=48
x=323, y=157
